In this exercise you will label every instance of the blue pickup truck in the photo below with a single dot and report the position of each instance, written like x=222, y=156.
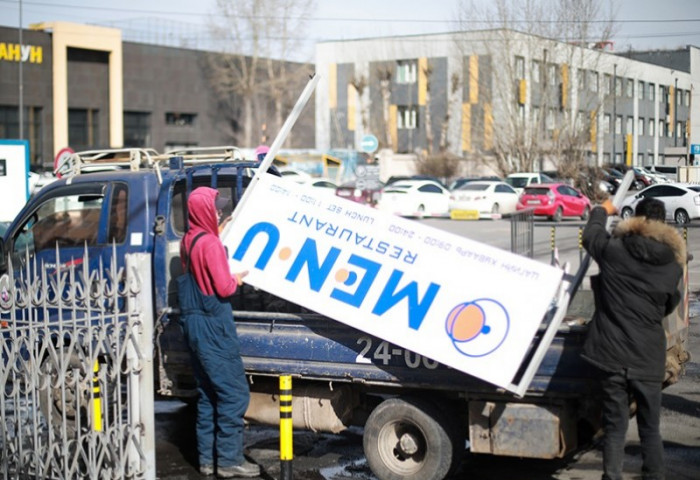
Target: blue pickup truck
x=417, y=414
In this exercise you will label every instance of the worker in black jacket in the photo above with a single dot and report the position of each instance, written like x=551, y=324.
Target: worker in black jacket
x=640, y=265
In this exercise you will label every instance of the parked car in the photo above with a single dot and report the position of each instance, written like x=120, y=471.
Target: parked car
x=521, y=180
x=668, y=171
x=642, y=176
x=682, y=201
x=487, y=197
x=323, y=186
x=656, y=177
x=415, y=198
x=366, y=192
x=294, y=175
x=555, y=200
x=398, y=178
x=458, y=182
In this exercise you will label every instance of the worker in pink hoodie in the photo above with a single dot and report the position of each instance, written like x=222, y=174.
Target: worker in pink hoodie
x=210, y=331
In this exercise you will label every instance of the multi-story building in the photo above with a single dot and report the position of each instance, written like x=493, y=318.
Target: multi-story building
x=500, y=95
x=83, y=87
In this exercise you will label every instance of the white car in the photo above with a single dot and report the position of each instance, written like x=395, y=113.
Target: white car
x=487, y=197
x=322, y=186
x=415, y=198
x=521, y=180
x=682, y=201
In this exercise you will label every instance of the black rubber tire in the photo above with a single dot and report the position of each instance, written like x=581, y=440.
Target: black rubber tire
x=626, y=213
x=558, y=215
x=586, y=213
x=433, y=436
x=51, y=401
x=681, y=217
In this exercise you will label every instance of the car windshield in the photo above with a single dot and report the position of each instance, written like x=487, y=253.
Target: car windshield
x=695, y=188
x=517, y=182
x=473, y=186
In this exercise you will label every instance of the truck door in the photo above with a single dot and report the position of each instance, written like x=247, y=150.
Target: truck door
x=69, y=220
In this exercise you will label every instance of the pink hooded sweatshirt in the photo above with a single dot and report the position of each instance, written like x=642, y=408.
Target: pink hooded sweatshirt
x=208, y=262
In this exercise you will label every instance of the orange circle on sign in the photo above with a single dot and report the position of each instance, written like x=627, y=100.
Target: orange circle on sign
x=341, y=275
x=285, y=253
x=467, y=323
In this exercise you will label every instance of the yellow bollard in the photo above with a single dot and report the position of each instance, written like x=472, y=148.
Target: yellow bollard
x=96, y=400
x=286, y=441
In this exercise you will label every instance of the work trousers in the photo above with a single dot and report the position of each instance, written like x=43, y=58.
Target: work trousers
x=616, y=391
x=224, y=395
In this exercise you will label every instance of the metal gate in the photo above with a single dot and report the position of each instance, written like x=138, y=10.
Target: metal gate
x=77, y=371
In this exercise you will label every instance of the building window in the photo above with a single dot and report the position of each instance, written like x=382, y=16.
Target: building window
x=640, y=159
x=652, y=90
x=137, y=129
x=679, y=95
x=629, y=88
x=607, y=80
x=618, y=158
x=618, y=125
x=687, y=98
x=581, y=76
x=406, y=71
x=640, y=90
x=407, y=118
x=180, y=119
x=650, y=130
x=669, y=132
x=536, y=116
x=9, y=128
x=640, y=127
x=83, y=131
x=618, y=87
x=536, y=71
x=679, y=129
x=661, y=93
x=606, y=123
x=519, y=68
x=661, y=128
x=628, y=125
x=550, y=120
x=593, y=81
x=552, y=74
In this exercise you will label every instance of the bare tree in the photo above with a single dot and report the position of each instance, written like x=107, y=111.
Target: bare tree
x=250, y=73
x=540, y=49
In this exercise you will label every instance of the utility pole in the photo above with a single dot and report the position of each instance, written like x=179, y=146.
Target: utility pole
x=614, y=119
x=21, y=83
x=675, y=113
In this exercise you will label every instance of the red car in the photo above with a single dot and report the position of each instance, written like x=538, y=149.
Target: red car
x=555, y=200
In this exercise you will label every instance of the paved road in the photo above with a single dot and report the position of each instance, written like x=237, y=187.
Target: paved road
x=324, y=456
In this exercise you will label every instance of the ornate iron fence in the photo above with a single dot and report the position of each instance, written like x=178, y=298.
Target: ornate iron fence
x=77, y=371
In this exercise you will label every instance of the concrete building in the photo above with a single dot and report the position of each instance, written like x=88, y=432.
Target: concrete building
x=83, y=87
x=460, y=91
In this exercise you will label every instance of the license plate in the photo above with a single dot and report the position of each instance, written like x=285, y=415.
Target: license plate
x=533, y=202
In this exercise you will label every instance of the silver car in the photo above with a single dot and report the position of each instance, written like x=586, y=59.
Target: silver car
x=682, y=201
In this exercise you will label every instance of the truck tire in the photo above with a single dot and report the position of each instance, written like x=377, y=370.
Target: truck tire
x=411, y=438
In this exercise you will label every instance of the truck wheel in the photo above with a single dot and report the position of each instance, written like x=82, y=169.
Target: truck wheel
x=412, y=438
x=59, y=390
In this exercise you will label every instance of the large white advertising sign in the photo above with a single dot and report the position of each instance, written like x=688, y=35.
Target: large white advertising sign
x=14, y=182
x=465, y=304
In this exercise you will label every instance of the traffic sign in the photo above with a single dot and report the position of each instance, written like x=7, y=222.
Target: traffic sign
x=695, y=148
x=369, y=143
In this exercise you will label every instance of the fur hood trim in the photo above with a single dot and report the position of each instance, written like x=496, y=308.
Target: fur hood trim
x=658, y=231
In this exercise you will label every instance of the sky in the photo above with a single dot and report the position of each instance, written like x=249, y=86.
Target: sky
x=641, y=24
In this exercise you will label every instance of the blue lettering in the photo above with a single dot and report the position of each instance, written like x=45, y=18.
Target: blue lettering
x=382, y=247
x=273, y=238
x=371, y=270
x=308, y=255
x=416, y=309
x=410, y=257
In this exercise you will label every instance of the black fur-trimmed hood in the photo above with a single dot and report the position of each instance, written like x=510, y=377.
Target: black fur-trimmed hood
x=635, y=232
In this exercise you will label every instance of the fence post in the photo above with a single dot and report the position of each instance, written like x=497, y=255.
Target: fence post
x=139, y=279
x=286, y=425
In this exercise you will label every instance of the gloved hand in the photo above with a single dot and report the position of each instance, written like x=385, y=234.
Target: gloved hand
x=610, y=209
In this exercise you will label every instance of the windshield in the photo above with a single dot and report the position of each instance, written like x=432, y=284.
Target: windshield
x=473, y=186
x=517, y=182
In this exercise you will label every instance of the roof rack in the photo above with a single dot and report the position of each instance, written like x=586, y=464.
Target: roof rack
x=108, y=159
x=194, y=155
